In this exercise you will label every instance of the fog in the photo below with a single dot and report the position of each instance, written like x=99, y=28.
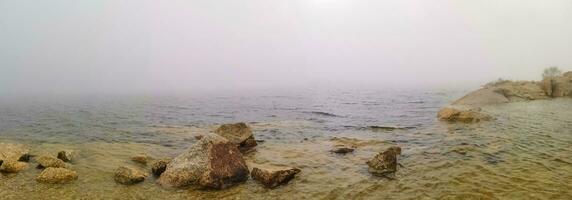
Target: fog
x=119, y=46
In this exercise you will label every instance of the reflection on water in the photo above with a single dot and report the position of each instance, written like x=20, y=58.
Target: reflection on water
x=524, y=154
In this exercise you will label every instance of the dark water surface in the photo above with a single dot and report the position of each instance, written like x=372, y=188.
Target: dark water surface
x=525, y=154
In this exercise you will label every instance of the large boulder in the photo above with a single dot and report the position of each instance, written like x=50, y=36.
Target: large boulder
x=14, y=152
x=46, y=161
x=212, y=162
x=56, y=175
x=459, y=115
x=128, y=175
x=239, y=134
x=274, y=178
x=385, y=162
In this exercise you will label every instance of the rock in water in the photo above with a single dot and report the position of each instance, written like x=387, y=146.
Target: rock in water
x=128, y=175
x=342, y=149
x=50, y=161
x=11, y=166
x=239, y=134
x=274, y=178
x=160, y=166
x=385, y=162
x=14, y=152
x=56, y=175
x=141, y=159
x=67, y=156
x=466, y=116
x=211, y=162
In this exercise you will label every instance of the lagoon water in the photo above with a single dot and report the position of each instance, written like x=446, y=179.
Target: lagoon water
x=524, y=154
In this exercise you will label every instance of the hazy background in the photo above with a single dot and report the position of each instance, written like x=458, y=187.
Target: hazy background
x=117, y=46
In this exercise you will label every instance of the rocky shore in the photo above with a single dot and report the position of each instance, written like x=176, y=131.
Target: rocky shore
x=468, y=108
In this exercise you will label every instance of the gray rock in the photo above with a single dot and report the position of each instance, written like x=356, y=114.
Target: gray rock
x=212, y=162
x=57, y=175
x=128, y=175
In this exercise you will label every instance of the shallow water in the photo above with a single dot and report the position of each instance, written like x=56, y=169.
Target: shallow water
x=524, y=154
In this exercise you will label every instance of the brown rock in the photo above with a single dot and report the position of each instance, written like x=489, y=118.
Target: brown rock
x=128, y=175
x=11, y=166
x=212, y=162
x=273, y=178
x=458, y=115
x=56, y=175
x=14, y=152
x=160, y=166
x=46, y=161
x=141, y=159
x=239, y=134
x=385, y=162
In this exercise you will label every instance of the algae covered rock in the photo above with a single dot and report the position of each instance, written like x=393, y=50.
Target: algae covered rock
x=212, y=162
x=128, y=175
x=239, y=134
x=57, y=175
x=385, y=162
x=274, y=178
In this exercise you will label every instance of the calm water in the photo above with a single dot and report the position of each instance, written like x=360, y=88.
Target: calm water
x=525, y=154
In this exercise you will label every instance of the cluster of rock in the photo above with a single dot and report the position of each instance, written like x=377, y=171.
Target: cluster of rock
x=15, y=157
x=466, y=109
x=215, y=161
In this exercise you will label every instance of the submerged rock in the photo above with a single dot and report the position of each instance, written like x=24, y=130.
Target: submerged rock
x=128, y=175
x=212, y=162
x=11, y=166
x=458, y=115
x=14, y=152
x=141, y=159
x=158, y=167
x=342, y=149
x=56, y=175
x=46, y=161
x=274, y=178
x=239, y=134
x=67, y=155
x=385, y=162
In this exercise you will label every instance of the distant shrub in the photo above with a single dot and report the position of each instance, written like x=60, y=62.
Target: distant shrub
x=496, y=83
x=551, y=72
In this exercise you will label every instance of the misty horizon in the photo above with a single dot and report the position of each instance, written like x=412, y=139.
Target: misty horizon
x=61, y=47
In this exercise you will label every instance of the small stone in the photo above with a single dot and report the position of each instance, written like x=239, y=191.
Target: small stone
x=67, y=156
x=128, y=176
x=385, y=162
x=160, y=166
x=239, y=134
x=141, y=159
x=50, y=161
x=56, y=175
x=342, y=150
x=274, y=178
x=12, y=166
x=198, y=137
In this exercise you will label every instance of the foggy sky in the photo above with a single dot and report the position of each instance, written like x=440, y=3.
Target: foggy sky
x=185, y=45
